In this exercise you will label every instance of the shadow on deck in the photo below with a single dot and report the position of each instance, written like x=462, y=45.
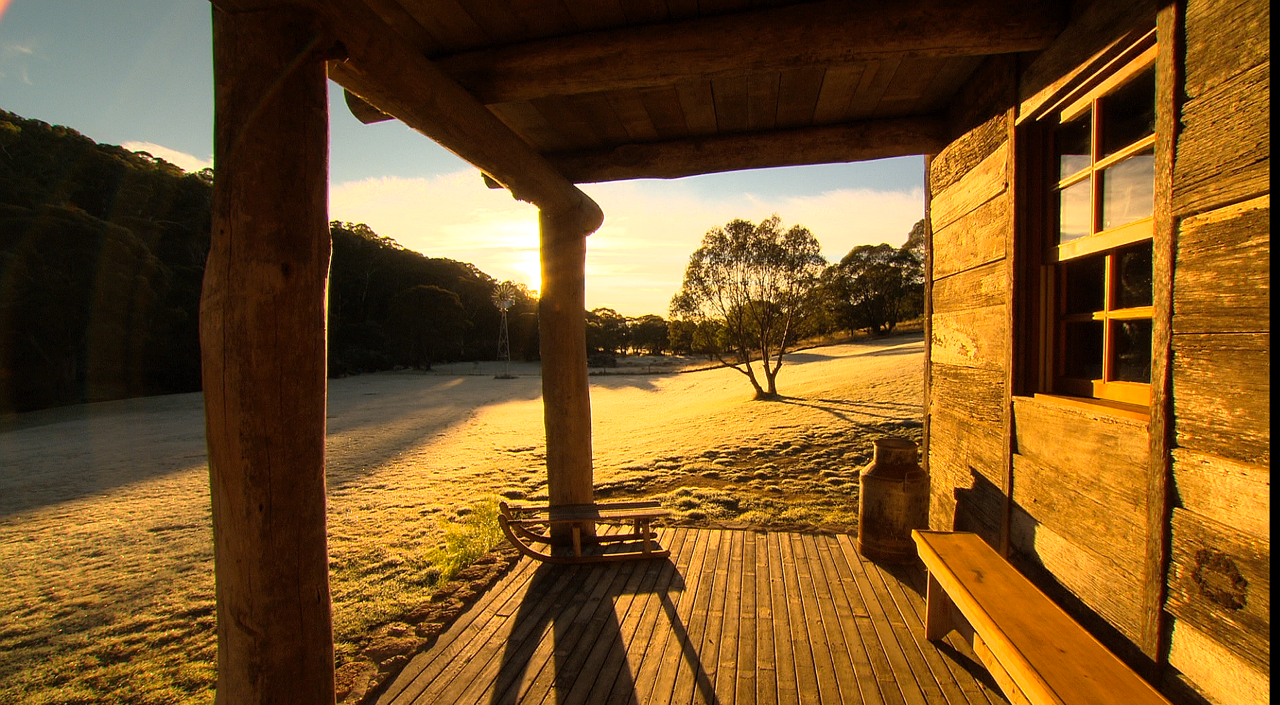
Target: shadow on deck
x=732, y=617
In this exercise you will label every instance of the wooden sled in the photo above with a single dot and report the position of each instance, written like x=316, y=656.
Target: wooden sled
x=519, y=524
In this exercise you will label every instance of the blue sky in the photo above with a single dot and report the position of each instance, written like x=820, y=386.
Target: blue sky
x=139, y=73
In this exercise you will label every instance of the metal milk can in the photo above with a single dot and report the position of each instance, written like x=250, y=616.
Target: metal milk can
x=893, y=499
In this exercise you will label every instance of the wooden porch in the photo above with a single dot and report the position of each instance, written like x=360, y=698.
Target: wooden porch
x=732, y=617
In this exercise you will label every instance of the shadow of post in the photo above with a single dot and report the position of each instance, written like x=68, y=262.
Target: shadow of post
x=589, y=650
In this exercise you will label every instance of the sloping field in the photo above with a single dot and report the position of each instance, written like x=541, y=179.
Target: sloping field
x=106, y=566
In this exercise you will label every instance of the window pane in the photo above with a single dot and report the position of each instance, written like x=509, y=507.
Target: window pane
x=1133, y=277
x=1131, y=351
x=1082, y=349
x=1071, y=144
x=1084, y=285
x=1129, y=114
x=1128, y=191
x=1075, y=212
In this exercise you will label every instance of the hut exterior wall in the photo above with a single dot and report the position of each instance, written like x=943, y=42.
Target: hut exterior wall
x=1218, y=581
x=971, y=219
x=1067, y=489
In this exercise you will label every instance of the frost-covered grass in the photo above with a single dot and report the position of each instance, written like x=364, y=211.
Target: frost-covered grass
x=106, y=558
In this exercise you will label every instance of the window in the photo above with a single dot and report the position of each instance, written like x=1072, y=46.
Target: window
x=1101, y=197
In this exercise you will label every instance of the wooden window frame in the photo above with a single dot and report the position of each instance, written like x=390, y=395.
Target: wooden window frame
x=1107, y=243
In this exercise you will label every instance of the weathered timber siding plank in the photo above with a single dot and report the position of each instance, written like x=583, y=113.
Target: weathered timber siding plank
x=966, y=462
x=1222, y=394
x=1224, y=151
x=1226, y=491
x=974, y=239
x=975, y=288
x=971, y=338
x=961, y=156
x=1078, y=507
x=1114, y=593
x=1076, y=440
x=1220, y=582
x=1243, y=26
x=988, y=180
x=1215, y=670
x=969, y=392
x=1223, y=280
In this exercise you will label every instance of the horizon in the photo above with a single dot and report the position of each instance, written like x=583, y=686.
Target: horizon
x=139, y=74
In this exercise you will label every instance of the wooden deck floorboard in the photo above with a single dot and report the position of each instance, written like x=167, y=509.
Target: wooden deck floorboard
x=741, y=617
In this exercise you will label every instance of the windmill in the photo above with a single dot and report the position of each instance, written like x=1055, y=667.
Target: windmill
x=504, y=297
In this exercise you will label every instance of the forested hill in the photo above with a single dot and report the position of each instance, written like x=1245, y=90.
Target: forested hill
x=101, y=260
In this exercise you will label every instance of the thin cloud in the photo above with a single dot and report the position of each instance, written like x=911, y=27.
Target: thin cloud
x=182, y=160
x=636, y=260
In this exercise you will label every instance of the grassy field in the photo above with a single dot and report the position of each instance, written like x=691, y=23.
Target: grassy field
x=105, y=536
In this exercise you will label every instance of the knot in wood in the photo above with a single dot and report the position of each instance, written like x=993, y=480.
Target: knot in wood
x=1219, y=580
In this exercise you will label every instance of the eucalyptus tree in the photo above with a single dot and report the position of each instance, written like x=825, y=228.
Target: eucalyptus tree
x=751, y=282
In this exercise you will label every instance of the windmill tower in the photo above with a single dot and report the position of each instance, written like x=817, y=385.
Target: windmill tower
x=504, y=297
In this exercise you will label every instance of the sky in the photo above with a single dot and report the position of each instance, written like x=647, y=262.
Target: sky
x=138, y=73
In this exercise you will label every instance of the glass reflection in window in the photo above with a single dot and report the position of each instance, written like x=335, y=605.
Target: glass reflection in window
x=1128, y=191
x=1075, y=211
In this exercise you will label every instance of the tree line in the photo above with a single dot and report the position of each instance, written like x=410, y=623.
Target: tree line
x=102, y=255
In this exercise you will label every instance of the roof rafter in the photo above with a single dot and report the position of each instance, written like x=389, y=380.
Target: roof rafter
x=825, y=33
x=850, y=142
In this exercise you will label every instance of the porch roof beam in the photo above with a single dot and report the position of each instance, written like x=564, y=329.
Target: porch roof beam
x=826, y=33
x=850, y=142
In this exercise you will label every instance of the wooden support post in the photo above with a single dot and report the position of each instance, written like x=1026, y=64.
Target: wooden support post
x=262, y=329
x=562, y=330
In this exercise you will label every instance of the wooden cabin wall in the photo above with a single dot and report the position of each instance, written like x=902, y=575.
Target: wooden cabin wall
x=971, y=220
x=1085, y=508
x=1218, y=583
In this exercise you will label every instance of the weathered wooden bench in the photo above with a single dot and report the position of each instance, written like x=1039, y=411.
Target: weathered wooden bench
x=519, y=523
x=1033, y=649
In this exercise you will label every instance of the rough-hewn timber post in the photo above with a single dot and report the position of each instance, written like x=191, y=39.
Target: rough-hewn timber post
x=562, y=329
x=262, y=328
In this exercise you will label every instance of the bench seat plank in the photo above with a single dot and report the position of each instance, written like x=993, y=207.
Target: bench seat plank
x=1050, y=657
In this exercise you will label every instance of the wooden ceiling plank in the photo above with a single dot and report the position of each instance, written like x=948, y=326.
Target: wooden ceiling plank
x=562, y=117
x=762, y=101
x=450, y=24
x=645, y=11
x=663, y=106
x=871, y=88
x=544, y=19
x=596, y=14
x=682, y=9
x=599, y=111
x=389, y=74
x=730, y=96
x=826, y=32
x=497, y=20
x=406, y=25
x=839, y=83
x=798, y=91
x=860, y=141
x=711, y=8
x=910, y=81
x=631, y=111
x=698, y=106
x=955, y=71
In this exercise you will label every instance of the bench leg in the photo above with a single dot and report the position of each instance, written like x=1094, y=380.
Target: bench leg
x=643, y=527
x=937, y=620
x=577, y=540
